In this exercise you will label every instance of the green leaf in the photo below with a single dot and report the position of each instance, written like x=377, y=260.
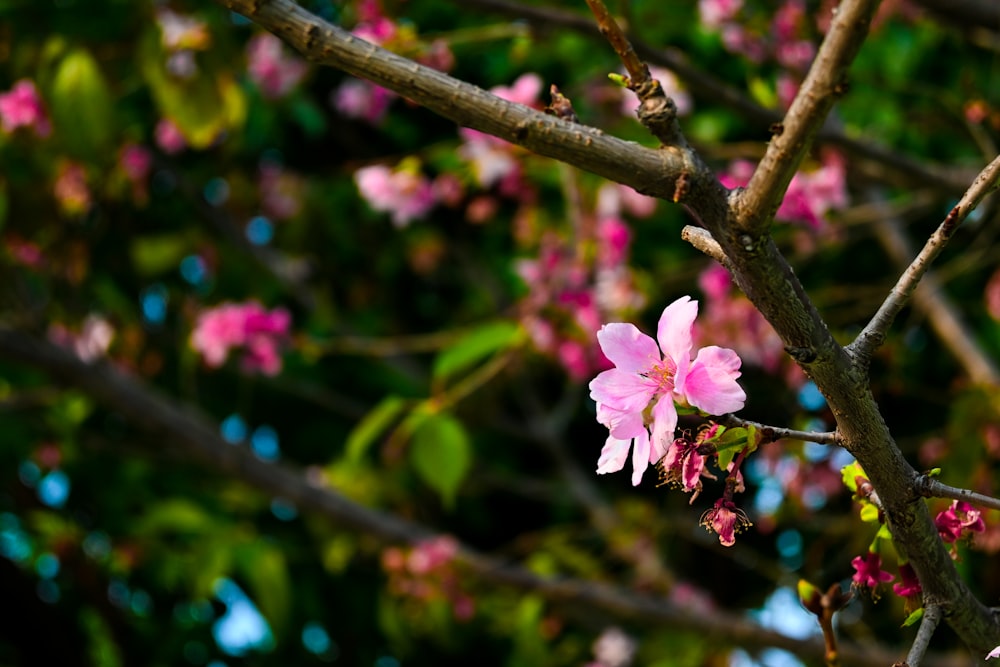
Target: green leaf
x=441, y=455
x=202, y=106
x=153, y=255
x=733, y=441
x=850, y=473
x=913, y=617
x=266, y=571
x=372, y=425
x=82, y=106
x=474, y=347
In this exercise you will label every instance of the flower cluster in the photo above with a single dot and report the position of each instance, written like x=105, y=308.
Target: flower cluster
x=21, y=106
x=249, y=326
x=960, y=520
x=786, y=40
x=573, y=288
x=427, y=572
x=635, y=399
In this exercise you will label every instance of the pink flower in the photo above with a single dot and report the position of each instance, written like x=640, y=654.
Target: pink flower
x=22, y=107
x=868, y=571
x=91, y=343
x=362, y=100
x=275, y=72
x=136, y=161
x=169, y=137
x=713, y=13
x=810, y=195
x=726, y=520
x=959, y=520
x=644, y=377
x=247, y=325
x=909, y=585
x=995, y=653
x=492, y=158
x=683, y=465
x=404, y=192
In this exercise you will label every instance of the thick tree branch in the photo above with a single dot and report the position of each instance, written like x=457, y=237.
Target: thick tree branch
x=705, y=86
x=825, y=82
x=874, y=333
x=649, y=171
x=929, y=487
x=191, y=433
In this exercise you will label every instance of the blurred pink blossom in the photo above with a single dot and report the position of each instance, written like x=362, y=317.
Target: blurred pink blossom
x=614, y=199
x=179, y=31
x=714, y=13
x=136, y=161
x=404, y=191
x=242, y=325
x=362, y=100
x=21, y=106
x=169, y=137
x=992, y=295
x=71, y=190
x=810, y=195
x=492, y=158
x=275, y=71
x=91, y=343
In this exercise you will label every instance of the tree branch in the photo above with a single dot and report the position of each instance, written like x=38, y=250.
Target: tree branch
x=649, y=171
x=931, y=300
x=826, y=81
x=774, y=433
x=702, y=240
x=929, y=487
x=873, y=335
x=191, y=433
x=928, y=624
x=704, y=85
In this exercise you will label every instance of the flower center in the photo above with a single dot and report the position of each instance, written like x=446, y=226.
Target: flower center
x=664, y=374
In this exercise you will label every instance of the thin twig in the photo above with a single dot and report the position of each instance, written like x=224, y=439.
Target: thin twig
x=826, y=81
x=657, y=112
x=703, y=240
x=930, y=487
x=775, y=433
x=928, y=624
x=874, y=333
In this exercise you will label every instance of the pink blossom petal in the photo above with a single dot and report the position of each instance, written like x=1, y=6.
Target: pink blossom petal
x=711, y=384
x=613, y=455
x=627, y=348
x=674, y=335
x=622, y=391
x=621, y=424
x=664, y=423
x=995, y=653
x=640, y=457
